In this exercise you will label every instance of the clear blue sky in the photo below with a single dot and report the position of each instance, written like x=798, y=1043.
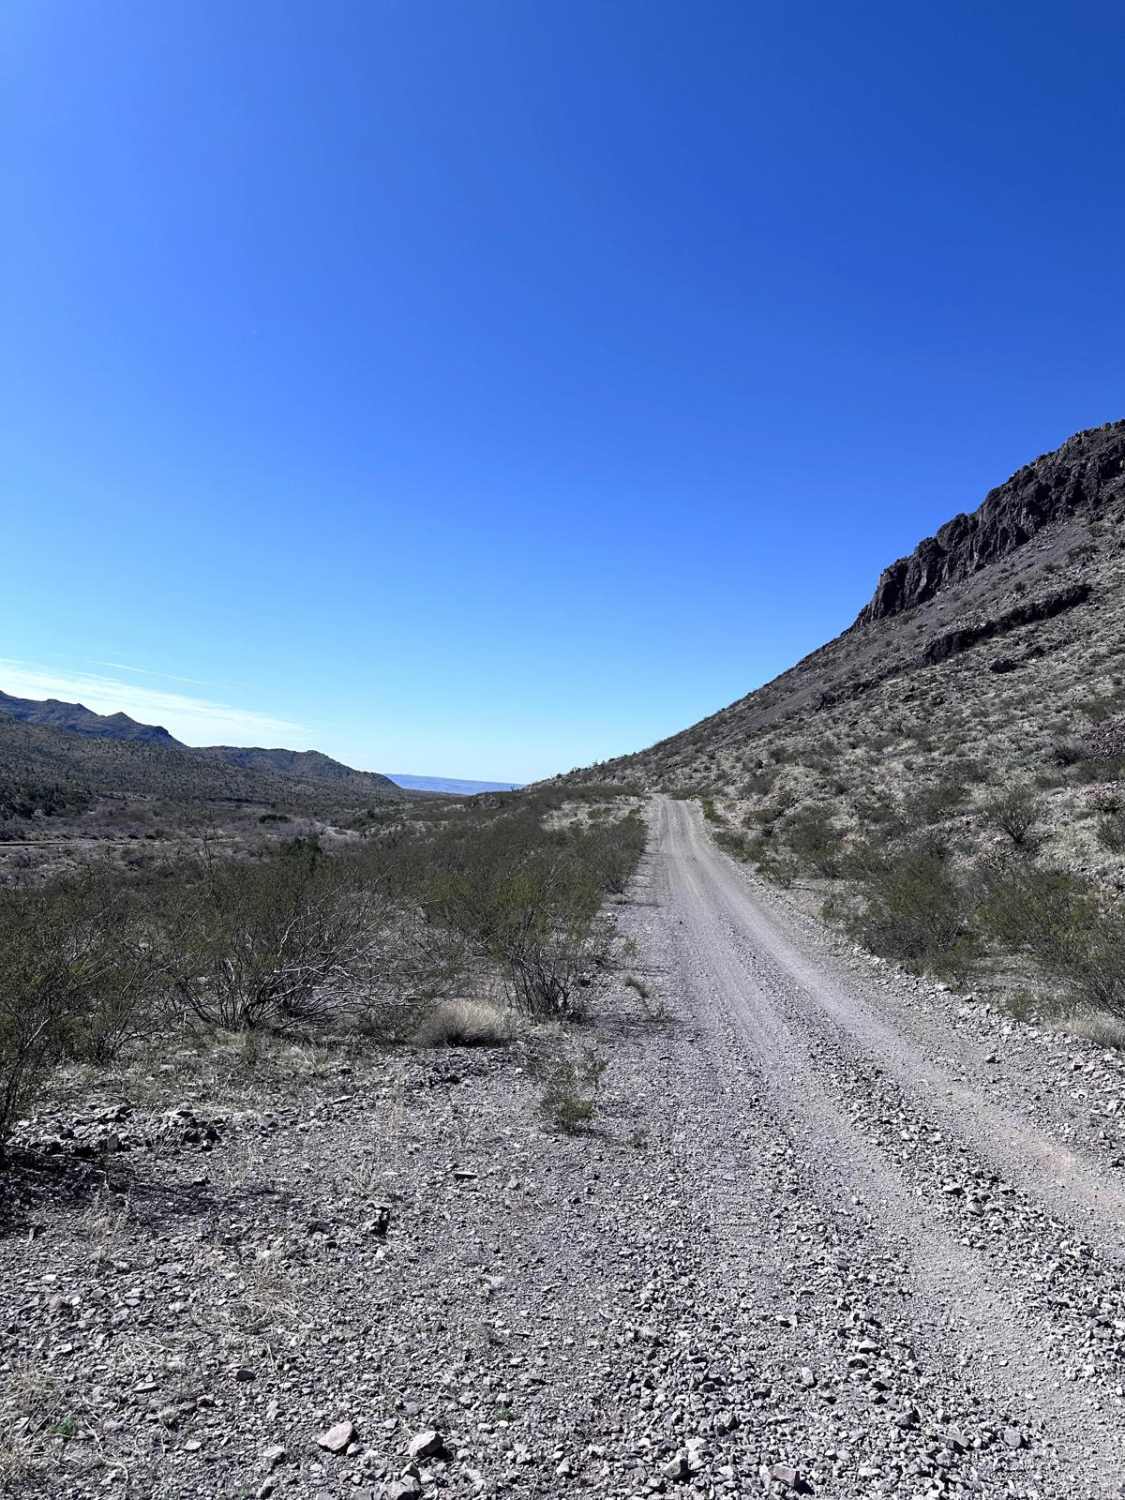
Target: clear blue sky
x=484, y=388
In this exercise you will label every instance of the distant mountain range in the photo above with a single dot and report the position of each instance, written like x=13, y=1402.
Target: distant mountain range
x=256, y=769
x=76, y=718
x=451, y=786
x=112, y=754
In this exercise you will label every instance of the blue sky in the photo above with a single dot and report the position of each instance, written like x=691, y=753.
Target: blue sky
x=486, y=388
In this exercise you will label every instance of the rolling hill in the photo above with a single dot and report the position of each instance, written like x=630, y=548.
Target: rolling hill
x=60, y=758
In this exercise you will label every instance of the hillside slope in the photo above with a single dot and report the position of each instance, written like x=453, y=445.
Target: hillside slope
x=947, y=777
x=998, y=633
x=55, y=774
x=56, y=758
x=302, y=765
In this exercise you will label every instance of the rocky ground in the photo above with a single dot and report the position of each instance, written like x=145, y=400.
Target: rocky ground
x=830, y=1232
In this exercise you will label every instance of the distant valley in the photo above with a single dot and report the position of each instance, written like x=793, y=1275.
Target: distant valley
x=450, y=786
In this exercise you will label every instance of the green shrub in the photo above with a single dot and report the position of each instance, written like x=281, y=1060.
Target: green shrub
x=1014, y=812
x=939, y=800
x=914, y=911
x=570, y=1089
x=813, y=839
x=1111, y=832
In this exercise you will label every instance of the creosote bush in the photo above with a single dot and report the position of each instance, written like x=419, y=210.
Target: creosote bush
x=914, y=910
x=75, y=969
x=1014, y=812
x=264, y=942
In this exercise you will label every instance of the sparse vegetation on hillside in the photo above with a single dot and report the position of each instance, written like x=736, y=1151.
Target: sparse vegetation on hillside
x=975, y=720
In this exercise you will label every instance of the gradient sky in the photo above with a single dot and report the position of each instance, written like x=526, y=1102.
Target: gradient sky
x=485, y=388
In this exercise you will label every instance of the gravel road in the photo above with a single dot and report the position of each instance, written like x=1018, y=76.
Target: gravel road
x=834, y=1231
x=904, y=1175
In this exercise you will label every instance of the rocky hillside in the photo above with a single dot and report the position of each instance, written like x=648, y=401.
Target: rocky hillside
x=46, y=773
x=1085, y=476
x=1028, y=587
x=992, y=658
x=76, y=718
x=63, y=753
x=303, y=765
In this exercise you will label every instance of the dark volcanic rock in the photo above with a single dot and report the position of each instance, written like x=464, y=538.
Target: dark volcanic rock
x=1086, y=473
x=952, y=642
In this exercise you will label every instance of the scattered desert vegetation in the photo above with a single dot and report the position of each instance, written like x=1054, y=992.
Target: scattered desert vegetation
x=451, y=922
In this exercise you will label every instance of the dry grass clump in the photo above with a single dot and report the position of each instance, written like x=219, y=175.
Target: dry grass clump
x=1096, y=1026
x=467, y=1023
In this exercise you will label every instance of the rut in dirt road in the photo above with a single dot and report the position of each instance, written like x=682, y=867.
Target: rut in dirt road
x=915, y=1201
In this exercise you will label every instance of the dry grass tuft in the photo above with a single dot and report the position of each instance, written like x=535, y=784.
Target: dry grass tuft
x=466, y=1023
x=1096, y=1026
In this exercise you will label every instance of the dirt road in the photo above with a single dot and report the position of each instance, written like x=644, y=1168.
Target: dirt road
x=917, y=1177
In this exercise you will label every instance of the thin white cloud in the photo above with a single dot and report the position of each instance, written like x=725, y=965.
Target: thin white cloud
x=198, y=721
x=120, y=666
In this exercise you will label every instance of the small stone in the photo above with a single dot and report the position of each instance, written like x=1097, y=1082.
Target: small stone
x=243, y=1373
x=675, y=1468
x=907, y=1418
x=426, y=1444
x=785, y=1474
x=338, y=1438
x=1013, y=1437
x=564, y=1470
x=806, y=1377
x=274, y=1455
x=406, y=1488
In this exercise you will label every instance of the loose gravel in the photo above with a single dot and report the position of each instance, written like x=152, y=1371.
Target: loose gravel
x=832, y=1231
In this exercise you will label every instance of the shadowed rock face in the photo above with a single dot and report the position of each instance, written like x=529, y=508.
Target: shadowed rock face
x=1084, y=474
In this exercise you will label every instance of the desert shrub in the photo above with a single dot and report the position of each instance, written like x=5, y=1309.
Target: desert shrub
x=813, y=839
x=710, y=812
x=759, y=783
x=539, y=923
x=913, y=910
x=570, y=1089
x=735, y=843
x=465, y=1023
x=1014, y=812
x=265, y=942
x=1111, y=831
x=1045, y=913
x=74, y=969
x=529, y=900
x=37, y=1001
x=876, y=808
x=938, y=800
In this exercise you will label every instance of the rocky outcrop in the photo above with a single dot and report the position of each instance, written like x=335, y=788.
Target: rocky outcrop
x=952, y=642
x=1086, y=474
